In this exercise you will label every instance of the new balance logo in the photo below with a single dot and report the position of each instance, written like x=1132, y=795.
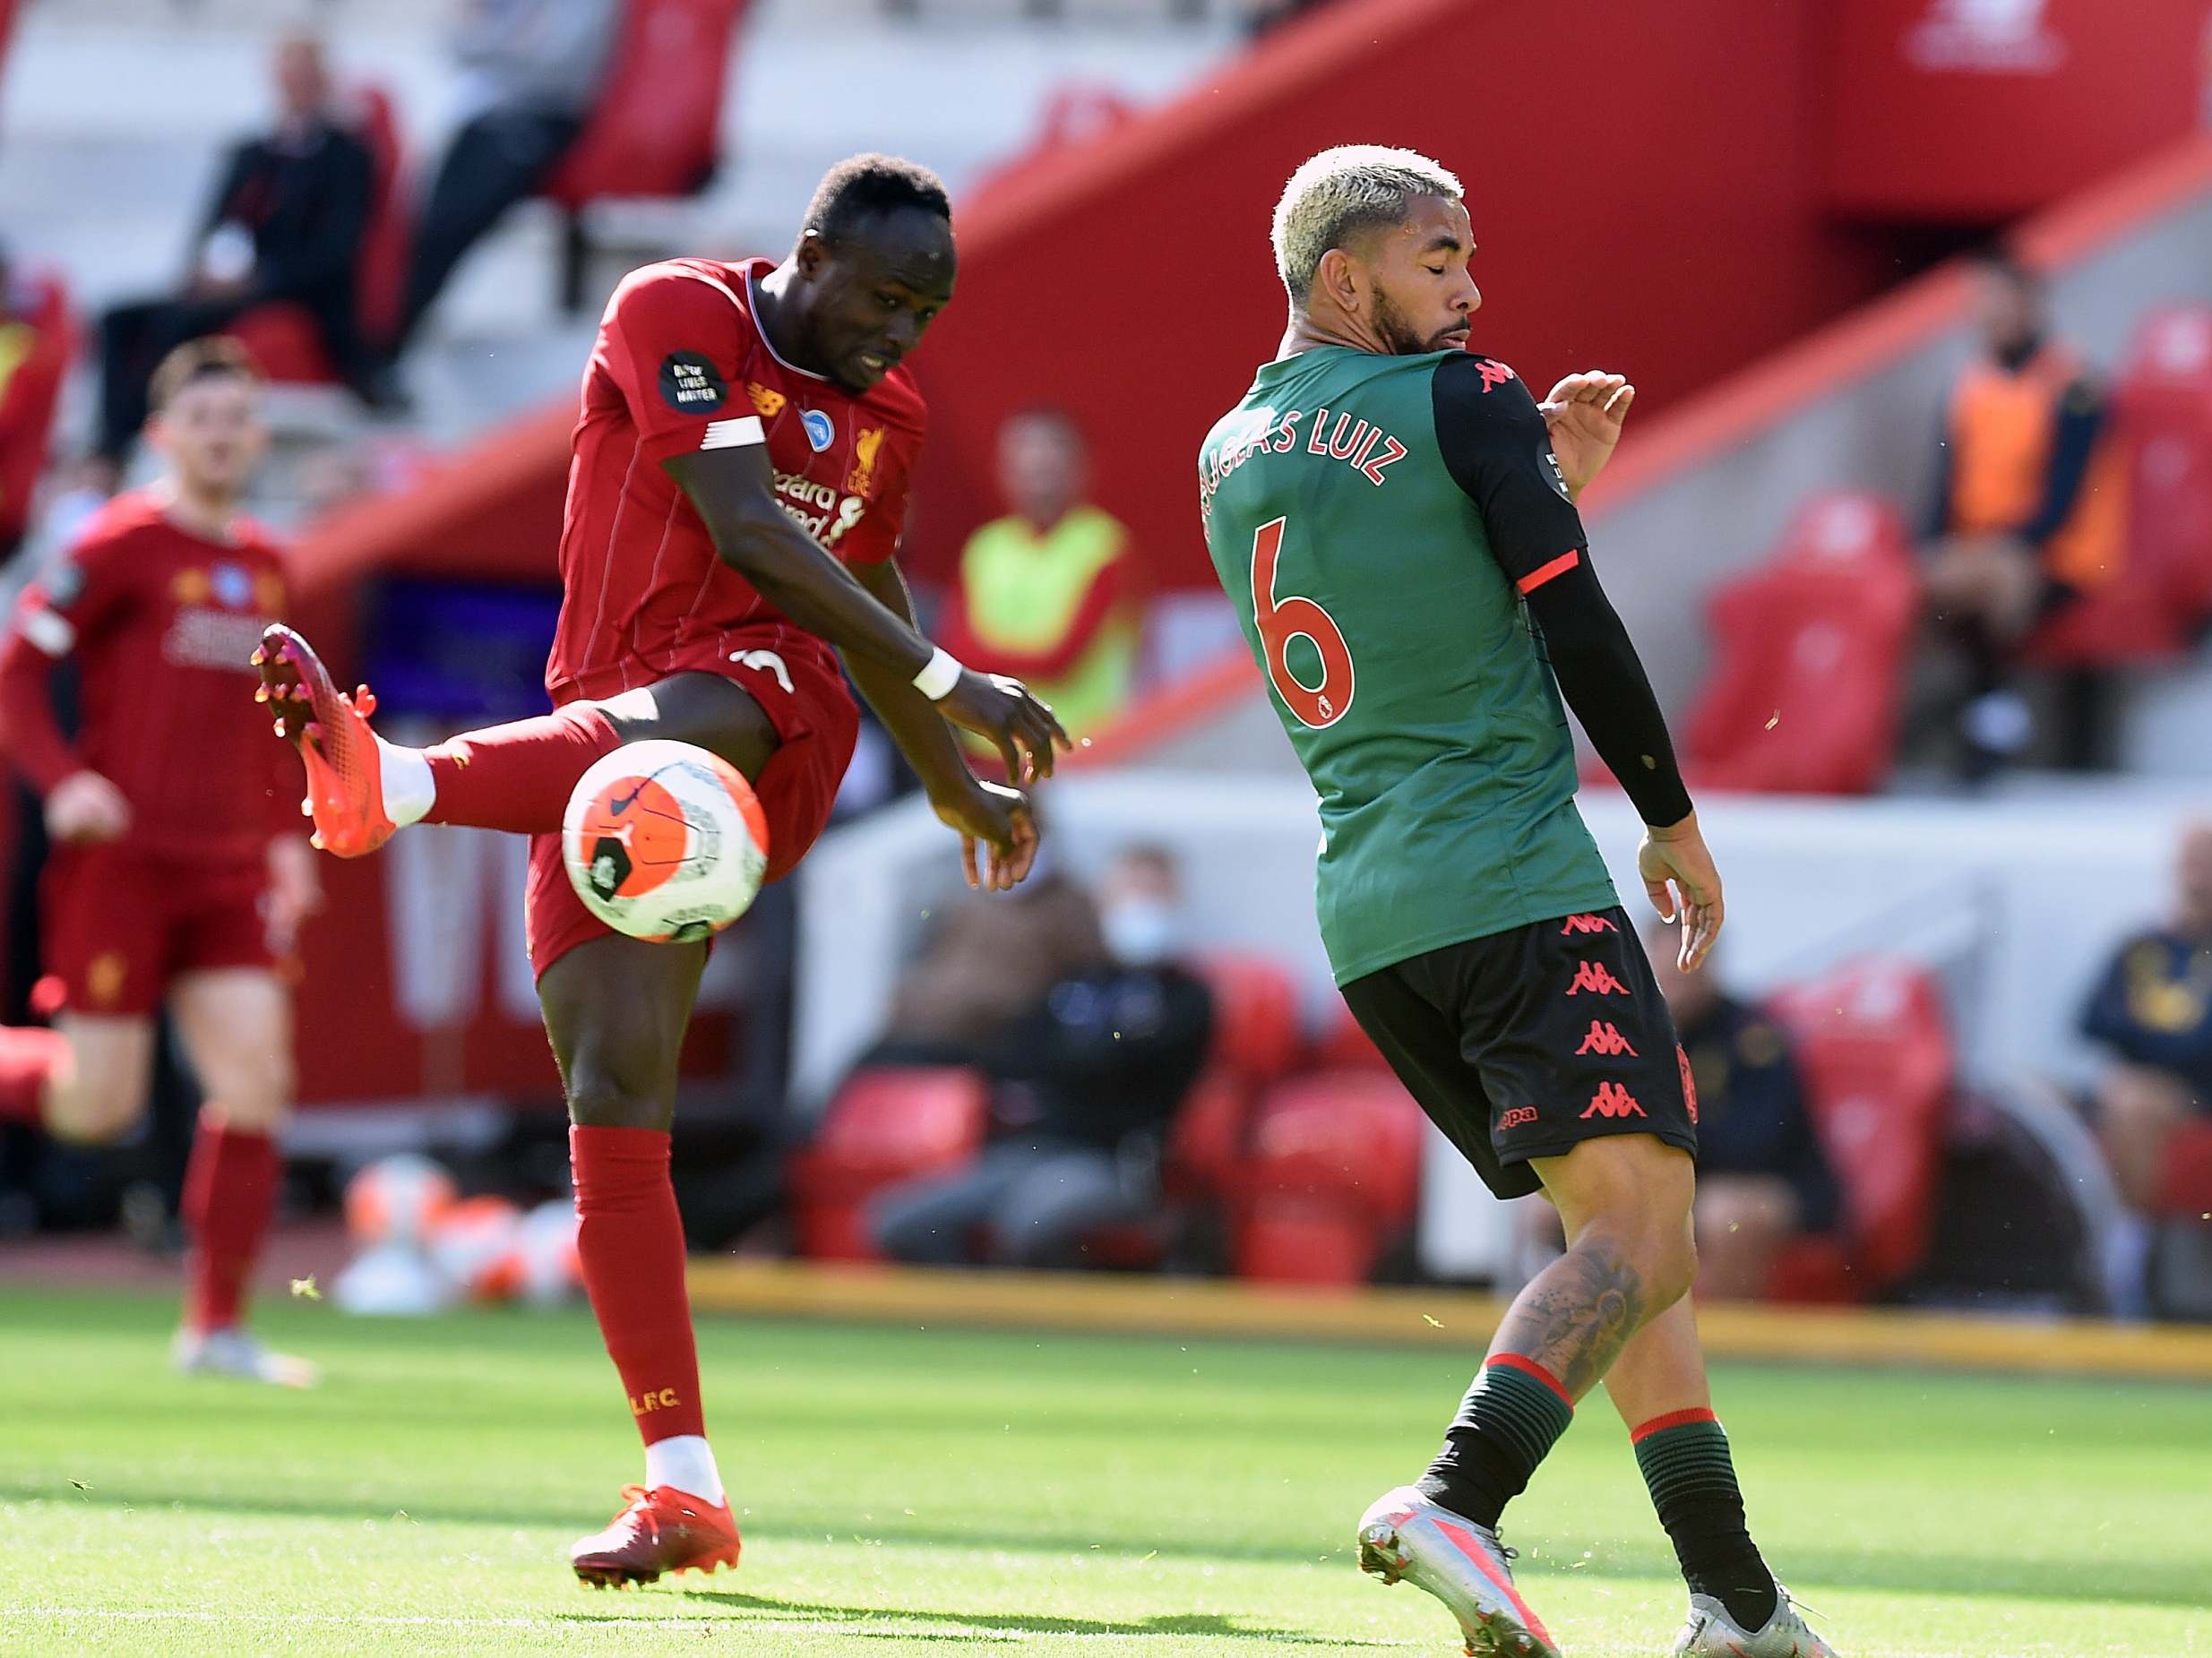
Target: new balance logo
x=1594, y=976
x=1611, y=1101
x=1607, y=1039
x=1585, y=923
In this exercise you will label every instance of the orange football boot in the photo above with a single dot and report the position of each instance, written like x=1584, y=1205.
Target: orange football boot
x=345, y=772
x=663, y=1530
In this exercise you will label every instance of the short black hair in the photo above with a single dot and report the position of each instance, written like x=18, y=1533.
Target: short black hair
x=863, y=186
x=211, y=357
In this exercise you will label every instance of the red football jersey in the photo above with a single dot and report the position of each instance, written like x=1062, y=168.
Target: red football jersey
x=161, y=623
x=680, y=365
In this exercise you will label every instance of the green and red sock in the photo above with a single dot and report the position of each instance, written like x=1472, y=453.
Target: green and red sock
x=1685, y=1463
x=1507, y=1424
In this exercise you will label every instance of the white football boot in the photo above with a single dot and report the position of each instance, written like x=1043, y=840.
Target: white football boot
x=234, y=1352
x=1405, y=1535
x=1711, y=1633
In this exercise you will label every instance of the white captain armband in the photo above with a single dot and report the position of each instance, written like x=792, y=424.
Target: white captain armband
x=738, y=432
x=939, y=674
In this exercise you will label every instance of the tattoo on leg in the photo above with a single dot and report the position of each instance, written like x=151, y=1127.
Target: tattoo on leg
x=1576, y=1315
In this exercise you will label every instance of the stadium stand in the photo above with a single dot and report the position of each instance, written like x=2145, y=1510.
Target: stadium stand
x=1810, y=647
x=886, y=1124
x=1332, y=1181
x=281, y=336
x=38, y=342
x=1876, y=1048
x=657, y=129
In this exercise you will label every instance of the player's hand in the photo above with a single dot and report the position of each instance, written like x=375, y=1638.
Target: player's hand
x=1676, y=855
x=1006, y=712
x=998, y=817
x=295, y=892
x=1584, y=413
x=85, y=807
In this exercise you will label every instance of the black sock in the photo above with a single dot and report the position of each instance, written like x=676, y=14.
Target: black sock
x=1684, y=1456
x=1505, y=1427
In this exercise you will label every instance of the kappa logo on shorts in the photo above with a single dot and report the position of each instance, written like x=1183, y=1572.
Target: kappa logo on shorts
x=1605, y=1038
x=1520, y=1117
x=1611, y=1101
x=820, y=433
x=1585, y=923
x=1689, y=1083
x=1594, y=975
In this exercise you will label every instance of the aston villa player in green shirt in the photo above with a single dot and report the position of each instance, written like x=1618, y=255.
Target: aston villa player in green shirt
x=1393, y=516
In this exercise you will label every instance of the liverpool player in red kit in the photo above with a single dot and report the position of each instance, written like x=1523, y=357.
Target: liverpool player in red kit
x=177, y=870
x=735, y=497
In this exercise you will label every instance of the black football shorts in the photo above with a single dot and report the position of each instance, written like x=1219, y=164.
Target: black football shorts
x=1525, y=1043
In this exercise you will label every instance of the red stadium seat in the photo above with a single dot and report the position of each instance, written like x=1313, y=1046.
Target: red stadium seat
x=2161, y=415
x=1876, y=1050
x=1810, y=650
x=2185, y=1188
x=283, y=336
x=884, y=1126
x=1257, y=1034
x=657, y=128
x=1344, y=1046
x=35, y=355
x=1334, y=1176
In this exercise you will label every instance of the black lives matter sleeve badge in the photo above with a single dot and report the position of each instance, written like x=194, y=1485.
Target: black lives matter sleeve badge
x=690, y=384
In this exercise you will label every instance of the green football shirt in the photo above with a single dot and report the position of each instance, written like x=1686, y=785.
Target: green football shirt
x=1375, y=521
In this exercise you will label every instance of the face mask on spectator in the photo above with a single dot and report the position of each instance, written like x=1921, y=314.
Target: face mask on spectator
x=1139, y=931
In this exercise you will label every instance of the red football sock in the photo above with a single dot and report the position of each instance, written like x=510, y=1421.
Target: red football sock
x=27, y=1057
x=631, y=1241
x=518, y=776
x=231, y=1190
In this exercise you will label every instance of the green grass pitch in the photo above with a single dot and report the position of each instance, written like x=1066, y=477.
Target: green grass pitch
x=929, y=1492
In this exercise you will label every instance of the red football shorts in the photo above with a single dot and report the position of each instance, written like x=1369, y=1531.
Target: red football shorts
x=806, y=699
x=121, y=924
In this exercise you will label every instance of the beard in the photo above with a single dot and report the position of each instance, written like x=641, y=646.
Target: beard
x=1396, y=333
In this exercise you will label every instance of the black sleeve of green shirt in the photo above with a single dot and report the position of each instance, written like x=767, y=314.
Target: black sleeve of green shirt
x=1499, y=450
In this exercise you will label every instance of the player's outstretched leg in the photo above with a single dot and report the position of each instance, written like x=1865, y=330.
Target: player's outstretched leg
x=361, y=790
x=1626, y=1200
x=1738, y=1609
x=615, y=1010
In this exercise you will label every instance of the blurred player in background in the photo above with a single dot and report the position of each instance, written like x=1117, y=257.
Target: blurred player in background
x=180, y=871
x=735, y=498
x=1391, y=516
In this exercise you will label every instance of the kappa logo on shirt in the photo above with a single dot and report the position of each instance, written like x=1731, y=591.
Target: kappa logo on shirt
x=690, y=384
x=1494, y=374
x=820, y=433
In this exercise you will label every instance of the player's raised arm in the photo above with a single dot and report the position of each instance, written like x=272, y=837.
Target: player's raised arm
x=972, y=809
x=1495, y=442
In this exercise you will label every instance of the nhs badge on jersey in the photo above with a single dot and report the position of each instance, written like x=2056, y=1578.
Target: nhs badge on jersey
x=232, y=586
x=820, y=433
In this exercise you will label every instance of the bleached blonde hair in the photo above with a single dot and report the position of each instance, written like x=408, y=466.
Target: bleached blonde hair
x=1343, y=191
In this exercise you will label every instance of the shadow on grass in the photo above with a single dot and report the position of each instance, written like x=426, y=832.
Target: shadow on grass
x=1019, y=1623
x=1905, y=1571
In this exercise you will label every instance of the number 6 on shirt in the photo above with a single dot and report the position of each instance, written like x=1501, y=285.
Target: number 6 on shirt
x=1282, y=620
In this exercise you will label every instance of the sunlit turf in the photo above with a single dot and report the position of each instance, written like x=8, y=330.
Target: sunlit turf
x=922, y=1489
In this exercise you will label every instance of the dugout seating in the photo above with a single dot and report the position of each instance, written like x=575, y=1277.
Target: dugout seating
x=657, y=128
x=2161, y=414
x=886, y=1124
x=1875, y=1044
x=1332, y=1180
x=283, y=336
x=1810, y=649
x=35, y=355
